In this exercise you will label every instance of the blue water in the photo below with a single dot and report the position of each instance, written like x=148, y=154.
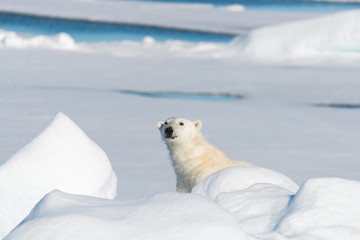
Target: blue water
x=274, y=5
x=184, y=95
x=86, y=31
x=339, y=105
x=205, y=96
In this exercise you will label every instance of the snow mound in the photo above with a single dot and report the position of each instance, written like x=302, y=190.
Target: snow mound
x=258, y=197
x=61, y=216
x=61, y=41
x=335, y=35
x=61, y=157
x=324, y=209
x=239, y=178
x=258, y=208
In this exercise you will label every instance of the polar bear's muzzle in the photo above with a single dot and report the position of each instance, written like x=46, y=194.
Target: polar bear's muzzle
x=169, y=133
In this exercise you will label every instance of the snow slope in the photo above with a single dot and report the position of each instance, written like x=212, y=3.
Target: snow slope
x=323, y=209
x=61, y=157
x=165, y=216
x=332, y=36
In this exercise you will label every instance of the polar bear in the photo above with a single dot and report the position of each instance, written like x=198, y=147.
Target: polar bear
x=193, y=157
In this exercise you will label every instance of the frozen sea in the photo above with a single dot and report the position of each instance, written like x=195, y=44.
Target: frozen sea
x=295, y=76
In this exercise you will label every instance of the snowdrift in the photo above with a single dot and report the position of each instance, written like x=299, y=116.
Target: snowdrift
x=61, y=41
x=61, y=157
x=266, y=207
x=334, y=35
x=165, y=216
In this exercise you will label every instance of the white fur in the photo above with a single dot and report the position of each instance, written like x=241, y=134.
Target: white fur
x=192, y=156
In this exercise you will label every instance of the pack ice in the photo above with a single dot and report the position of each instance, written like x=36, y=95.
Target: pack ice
x=61, y=157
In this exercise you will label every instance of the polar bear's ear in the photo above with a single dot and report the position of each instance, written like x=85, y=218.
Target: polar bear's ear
x=198, y=124
x=160, y=124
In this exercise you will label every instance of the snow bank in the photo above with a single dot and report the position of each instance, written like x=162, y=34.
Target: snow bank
x=324, y=209
x=258, y=197
x=335, y=35
x=61, y=157
x=150, y=48
x=61, y=216
x=61, y=41
x=258, y=208
x=239, y=178
x=268, y=205
x=265, y=207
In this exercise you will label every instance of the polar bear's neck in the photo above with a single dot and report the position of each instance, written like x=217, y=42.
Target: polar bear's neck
x=195, y=160
x=181, y=153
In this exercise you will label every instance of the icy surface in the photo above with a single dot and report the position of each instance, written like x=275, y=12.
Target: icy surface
x=61, y=41
x=61, y=157
x=240, y=178
x=258, y=208
x=323, y=209
x=258, y=197
x=332, y=36
x=61, y=216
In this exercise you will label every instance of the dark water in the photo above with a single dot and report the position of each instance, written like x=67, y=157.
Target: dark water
x=184, y=95
x=276, y=5
x=205, y=96
x=339, y=105
x=86, y=31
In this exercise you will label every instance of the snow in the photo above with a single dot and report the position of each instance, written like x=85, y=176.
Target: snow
x=333, y=36
x=258, y=208
x=240, y=178
x=61, y=41
x=258, y=197
x=285, y=122
x=61, y=157
x=324, y=209
x=166, y=216
x=234, y=8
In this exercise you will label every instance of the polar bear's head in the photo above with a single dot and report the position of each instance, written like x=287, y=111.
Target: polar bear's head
x=179, y=130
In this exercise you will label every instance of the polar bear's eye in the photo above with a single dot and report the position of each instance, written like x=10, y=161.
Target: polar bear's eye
x=181, y=124
x=165, y=123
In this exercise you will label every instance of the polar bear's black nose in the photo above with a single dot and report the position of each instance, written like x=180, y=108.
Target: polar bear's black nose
x=168, y=131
